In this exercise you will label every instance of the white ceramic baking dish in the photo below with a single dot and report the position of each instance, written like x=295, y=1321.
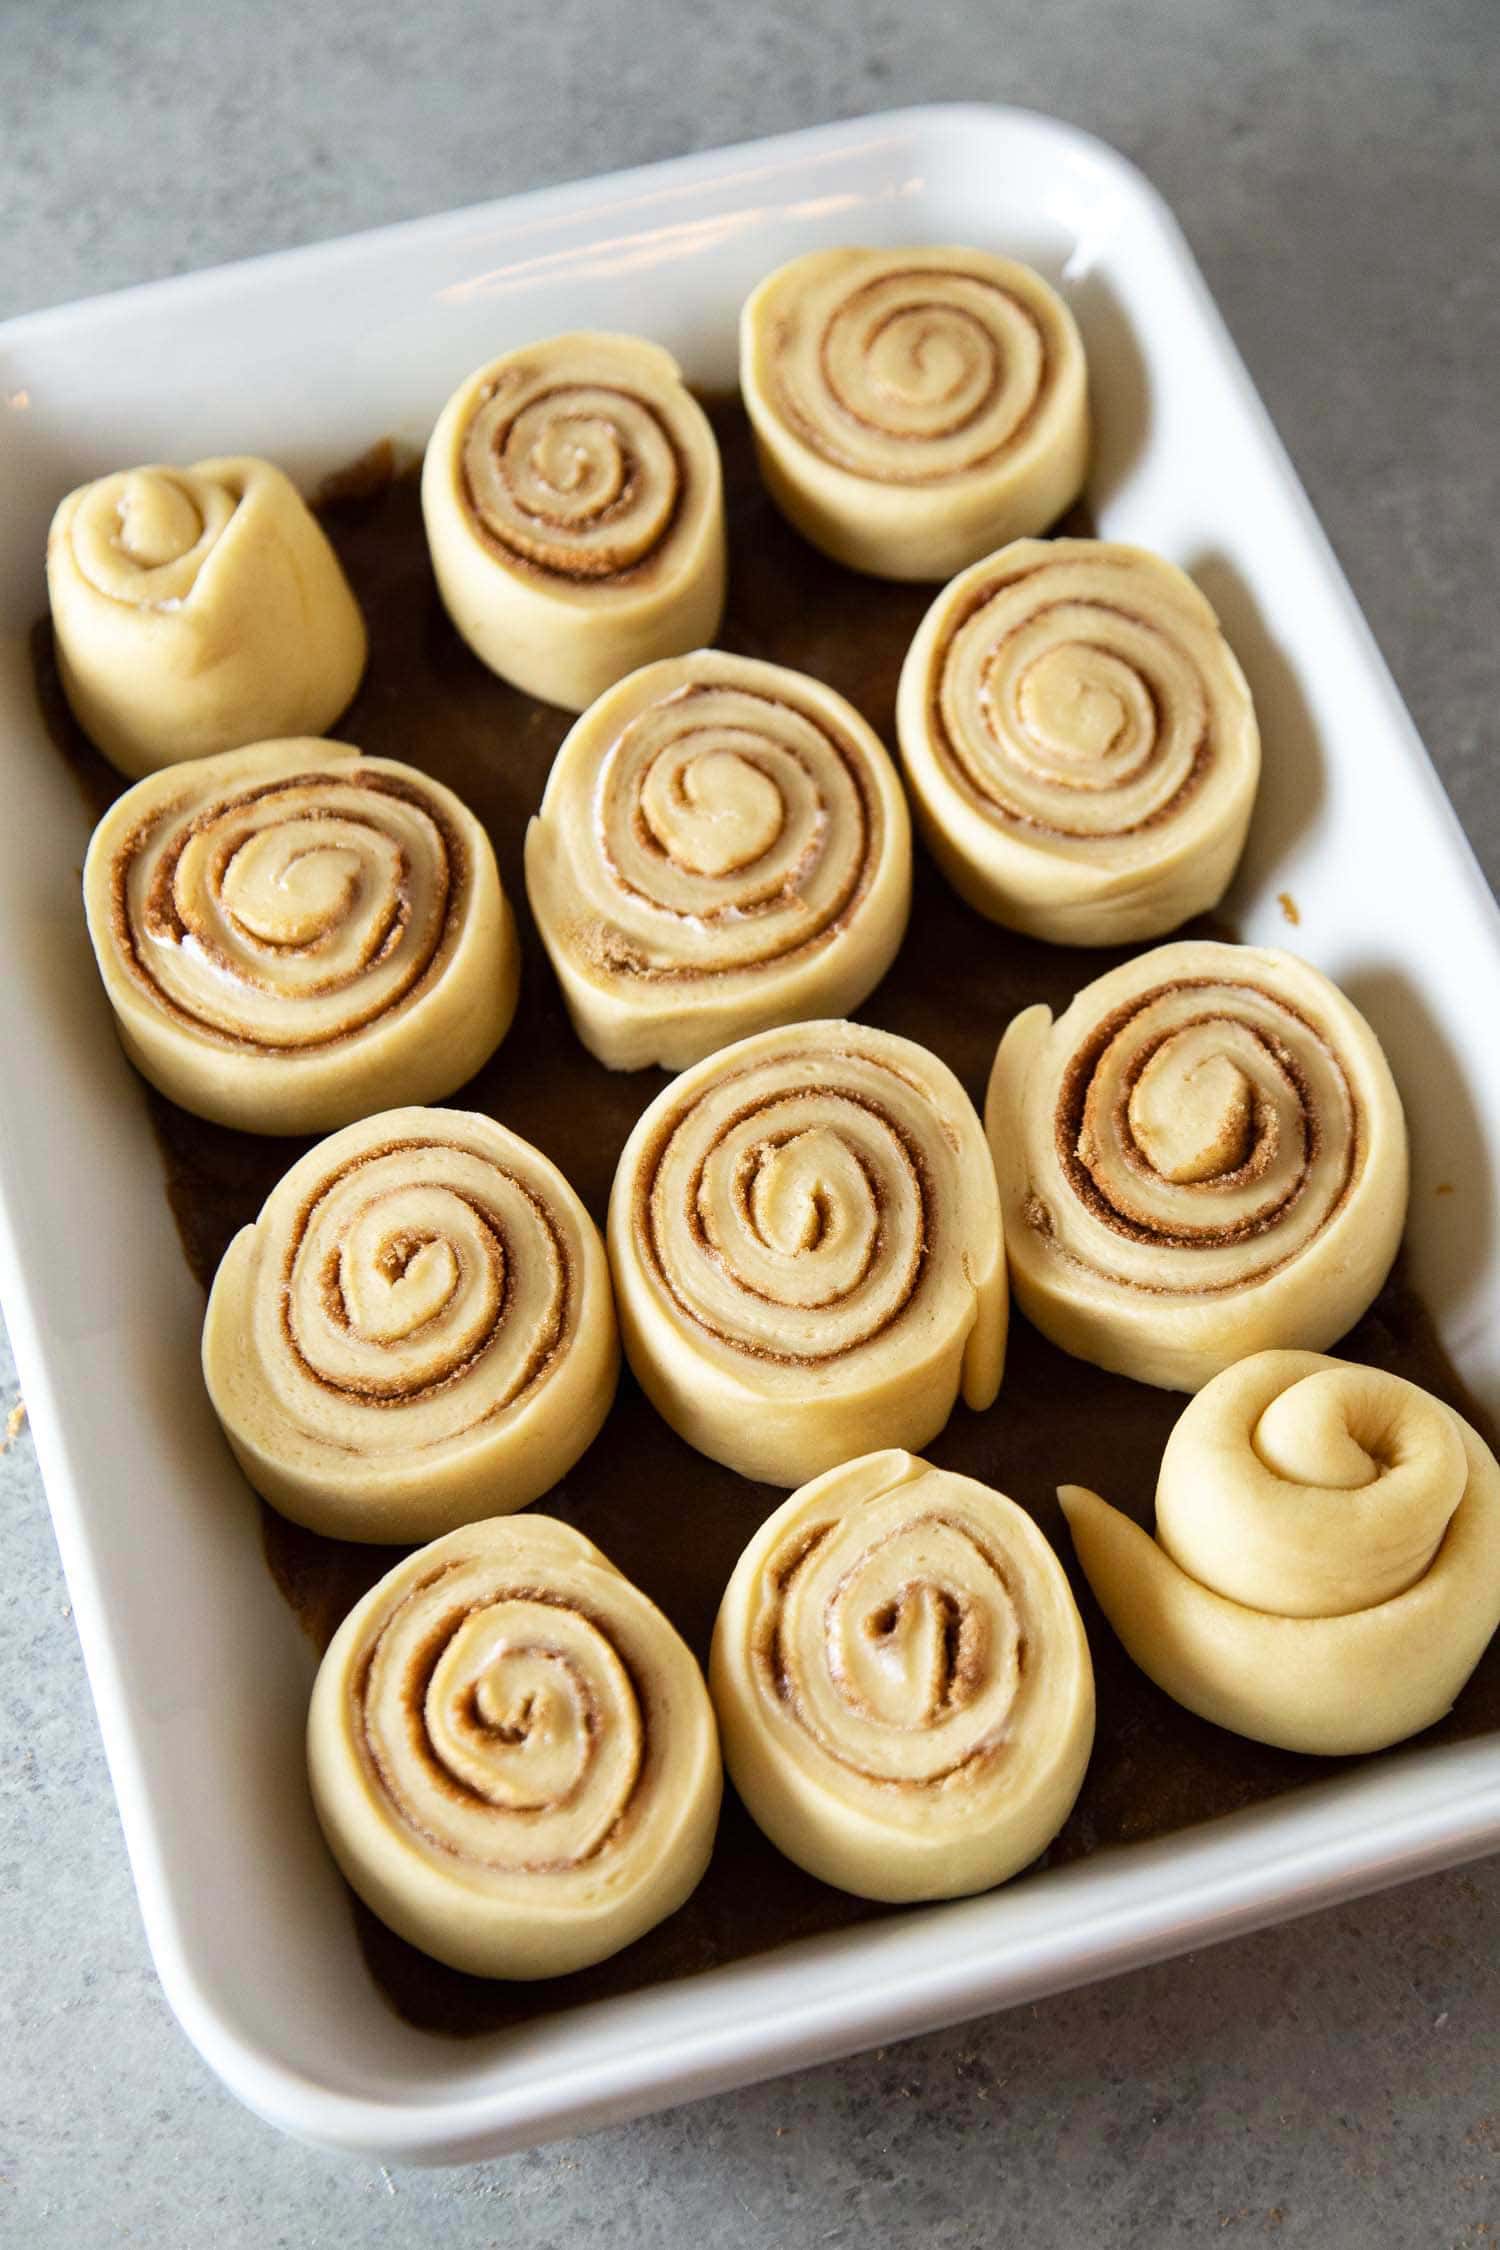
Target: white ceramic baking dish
x=199, y=1671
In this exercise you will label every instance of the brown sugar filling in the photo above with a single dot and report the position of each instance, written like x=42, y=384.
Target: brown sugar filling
x=820, y=436
x=916, y=1253
x=162, y=915
x=957, y=760
x=400, y=1391
x=859, y=854
x=406, y=1710
x=965, y=1650
x=605, y=569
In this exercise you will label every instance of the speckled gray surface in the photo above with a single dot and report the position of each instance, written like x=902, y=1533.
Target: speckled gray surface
x=1334, y=2083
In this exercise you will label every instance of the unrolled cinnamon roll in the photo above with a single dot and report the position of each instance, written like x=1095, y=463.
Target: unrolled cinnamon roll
x=417, y=1330
x=575, y=514
x=806, y=1245
x=1326, y=1568
x=292, y=935
x=1205, y=1156
x=723, y=845
x=1080, y=742
x=914, y=409
x=198, y=609
x=513, y=1756
x=902, y=1682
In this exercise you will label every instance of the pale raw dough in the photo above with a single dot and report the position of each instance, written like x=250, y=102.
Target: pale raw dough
x=1326, y=1568
x=806, y=1244
x=574, y=507
x=417, y=1330
x=902, y=1681
x=914, y=408
x=1080, y=742
x=512, y=1754
x=198, y=609
x=723, y=845
x=292, y=935
x=1204, y=1156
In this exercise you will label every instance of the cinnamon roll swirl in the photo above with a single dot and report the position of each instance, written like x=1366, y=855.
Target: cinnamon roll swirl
x=902, y=1682
x=805, y=1239
x=417, y=1330
x=723, y=845
x=198, y=609
x=1326, y=1568
x=914, y=409
x=1205, y=1156
x=292, y=935
x=1080, y=742
x=513, y=1756
x=575, y=514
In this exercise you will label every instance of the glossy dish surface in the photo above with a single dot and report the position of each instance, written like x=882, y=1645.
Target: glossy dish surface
x=151, y=1516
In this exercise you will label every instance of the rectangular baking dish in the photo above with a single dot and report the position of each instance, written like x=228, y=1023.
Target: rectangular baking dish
x=199, y=1672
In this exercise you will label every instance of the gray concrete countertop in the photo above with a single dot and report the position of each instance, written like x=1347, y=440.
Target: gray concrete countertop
x=1332, y=2083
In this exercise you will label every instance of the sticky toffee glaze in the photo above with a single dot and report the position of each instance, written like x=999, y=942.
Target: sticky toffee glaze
x=670, y=1519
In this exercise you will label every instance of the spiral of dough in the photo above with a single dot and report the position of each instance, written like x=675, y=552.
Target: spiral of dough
x=417, y=1330
x=292, y=935
x=902, y=1681
x=1080, y=742
x=198, y=609
x=806, y=1244
x=723, y=845
x=914, y=409
x=1326, y=1568
x=513, y=1755
x=1205, y=1156
x=574, y=507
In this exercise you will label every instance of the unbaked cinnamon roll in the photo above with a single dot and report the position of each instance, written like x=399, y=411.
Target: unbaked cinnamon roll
x=1326, y=1568
x=198, y=609
x=417, y=1330
x=723, y=845
x=914, y=409
x=1080, y=742
x=805, y=1239
x=292, y=935
x=902, y=1682
x=1205, y=1156
x=513, y=1755
x=575, y=514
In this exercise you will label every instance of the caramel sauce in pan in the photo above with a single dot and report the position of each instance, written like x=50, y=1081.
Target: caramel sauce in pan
x=672, y=1521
